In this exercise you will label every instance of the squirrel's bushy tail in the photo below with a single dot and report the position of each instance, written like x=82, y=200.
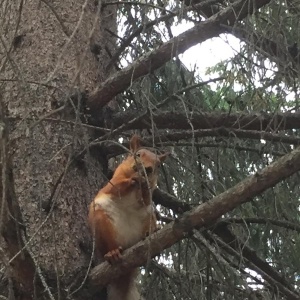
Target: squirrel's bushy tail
x=124, y=288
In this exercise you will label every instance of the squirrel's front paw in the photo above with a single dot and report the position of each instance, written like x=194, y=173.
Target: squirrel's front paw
x=114, y=256
x=139, y=180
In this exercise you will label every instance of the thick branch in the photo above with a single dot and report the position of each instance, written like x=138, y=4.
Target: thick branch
x=200, y=216
x=178, y=120
x=157, y=58
x=171, y=202
x=231, y=133
x=272, y=49
x=150, y=62
x=145, y=27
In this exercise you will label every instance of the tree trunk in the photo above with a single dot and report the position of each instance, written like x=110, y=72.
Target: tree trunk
x=52, y=50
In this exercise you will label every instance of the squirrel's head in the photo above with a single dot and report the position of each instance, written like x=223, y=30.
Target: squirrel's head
x=146, y=161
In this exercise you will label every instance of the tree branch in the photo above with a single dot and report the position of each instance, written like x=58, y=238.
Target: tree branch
x=225, y=132
x=114, y=149
x=201, y=216
x=178, y=120
x=157, y=58
x=145, y=27
x=282, y=224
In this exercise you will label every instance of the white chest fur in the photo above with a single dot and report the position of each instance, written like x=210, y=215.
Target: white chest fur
x=128, y=216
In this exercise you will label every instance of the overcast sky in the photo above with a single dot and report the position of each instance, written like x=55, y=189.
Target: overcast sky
x=207, y=54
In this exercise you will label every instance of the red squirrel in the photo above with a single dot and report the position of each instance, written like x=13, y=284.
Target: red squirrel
x=122, y=213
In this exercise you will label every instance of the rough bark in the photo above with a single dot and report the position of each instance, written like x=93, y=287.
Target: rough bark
x=46, y=47
x=11, y=223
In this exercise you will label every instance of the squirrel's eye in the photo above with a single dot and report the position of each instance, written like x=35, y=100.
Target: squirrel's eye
x=149, y=170
x=138, y=154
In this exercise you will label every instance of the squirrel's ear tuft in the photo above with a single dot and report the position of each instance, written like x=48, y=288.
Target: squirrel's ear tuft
x=135, y=143
x=162, y=157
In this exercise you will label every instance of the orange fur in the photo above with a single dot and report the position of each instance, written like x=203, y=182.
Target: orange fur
x=122, y=212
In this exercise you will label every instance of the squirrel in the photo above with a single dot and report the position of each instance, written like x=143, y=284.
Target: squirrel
x=122, y=213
